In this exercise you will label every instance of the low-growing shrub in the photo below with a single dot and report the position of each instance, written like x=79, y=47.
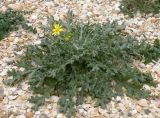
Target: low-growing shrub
x=131, y=7
x=80, y=60
x=10, y=20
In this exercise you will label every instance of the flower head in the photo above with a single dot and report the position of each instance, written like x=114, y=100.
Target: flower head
x=57, y=29
x=68, y=36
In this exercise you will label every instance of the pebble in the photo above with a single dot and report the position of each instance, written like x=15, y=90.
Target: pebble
x=10, y=62
x=12, y=97
x=118, y=99
x=102, y=111
x=81, y=111
x=138, y=108
x=55, y=98
x=60, y=116
x=147, y=111
x=4, y=8
x=22, y=98
x=37, y=112
x=19, y=52
x=34, y=17
x=146, y=87
x=4, y=72
x=1, y=93
x=49, y=107
x=41, y=35
x=44, y=116
x=143, y=102
x=29, y=115
x=20, y=116
x=5, y=100
x=133, y=112
x=158, y=104
x=17, y=6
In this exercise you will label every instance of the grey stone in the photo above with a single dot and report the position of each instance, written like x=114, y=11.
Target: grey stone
x=10, y=62
x=1, y=93
x=43, y=116
x=130, y=114
x=147, y=111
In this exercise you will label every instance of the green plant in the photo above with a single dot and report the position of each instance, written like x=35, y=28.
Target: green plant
x=131, y=7
x=96, y=61
x=10, y=21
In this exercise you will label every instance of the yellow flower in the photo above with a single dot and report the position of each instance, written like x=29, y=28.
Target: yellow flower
x=68, y=36
x=57, y=29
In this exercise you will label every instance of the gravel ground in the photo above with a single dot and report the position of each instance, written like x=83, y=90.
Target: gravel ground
x=13, y=100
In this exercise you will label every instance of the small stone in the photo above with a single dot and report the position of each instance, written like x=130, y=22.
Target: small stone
x=55, y=98
x=139, y=116
x=29, y=115
x=102, y=111
x=158, y=87
x=60, y=116
x=29, y=110
x=41, y=35
x=23, y=98
x=34, y=17
x=138, y=14
x=16, y=6
x=146, y=87
x=81, y=111
x=86, y=106
x=53, y=113
x=47, y=111
x=4, y=8
x=158, y=104
x=117, y=7
x=50, y=11
x=118, y=99
x=10, y=106
x=19, y=52
x=12, y=97
x=94, y=115
x=89, y=14
x=4, y=72
x=37, y=112
x=133, y=112
x=11, y=116
x=37, y=42
x=29, y=24
x=130, y=114
x=3, y=114
x=49, y=107
x=1, y=93
x=11, y=39
x=114, y=111
x=143, y=102
x=21, y=92
x=142, y=65
x=157, y=67
x=20, y=116
x=139, y=108
x=10, y=62
x=16, y=40
x=56, y=17
x=147, y=111
x=44, y=116
x=5, y=100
